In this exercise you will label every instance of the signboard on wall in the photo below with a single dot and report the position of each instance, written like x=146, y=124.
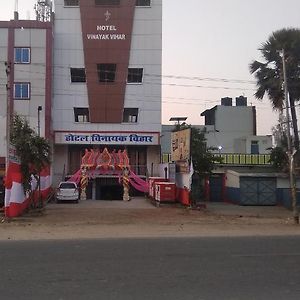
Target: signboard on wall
x=106, y=35
x=180, y=145
x=107, y=138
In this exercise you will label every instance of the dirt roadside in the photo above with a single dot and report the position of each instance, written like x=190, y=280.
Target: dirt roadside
x=97, y=219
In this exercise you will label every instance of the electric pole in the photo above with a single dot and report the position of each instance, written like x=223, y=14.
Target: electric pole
x=291, y=153
x=8, y=111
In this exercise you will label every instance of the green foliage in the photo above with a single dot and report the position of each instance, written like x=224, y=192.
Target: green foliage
x=33, y=150
x=279, y=132
x=203, y=159
x=269, y=74
x=279, y=159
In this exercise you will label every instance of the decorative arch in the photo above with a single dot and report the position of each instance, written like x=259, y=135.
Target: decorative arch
x=96, y=162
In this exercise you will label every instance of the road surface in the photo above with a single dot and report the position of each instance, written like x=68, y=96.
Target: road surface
x=238, y=268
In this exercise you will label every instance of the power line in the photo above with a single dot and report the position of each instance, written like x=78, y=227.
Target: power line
x=152, y=83
x=198, y=78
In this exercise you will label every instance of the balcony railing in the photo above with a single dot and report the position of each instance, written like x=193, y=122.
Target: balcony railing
x=244, y=159
x=234, y=159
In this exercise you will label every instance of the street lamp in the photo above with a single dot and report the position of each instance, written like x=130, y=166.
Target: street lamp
x=220, y=149
x=40, y=108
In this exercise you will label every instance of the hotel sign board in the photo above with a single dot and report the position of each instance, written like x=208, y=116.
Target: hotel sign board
x=106, y=32
x=106, y=35
x=180, y=145
x=106, y=138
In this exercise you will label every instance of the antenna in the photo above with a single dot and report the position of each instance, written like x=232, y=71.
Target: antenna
x=16, y=14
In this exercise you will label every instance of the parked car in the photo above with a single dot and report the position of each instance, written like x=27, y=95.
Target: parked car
x=67, y=191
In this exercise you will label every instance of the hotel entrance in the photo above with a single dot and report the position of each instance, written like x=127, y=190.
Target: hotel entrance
x=137, y=157
x=108, y=189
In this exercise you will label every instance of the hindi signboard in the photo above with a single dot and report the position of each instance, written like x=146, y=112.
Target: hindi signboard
x=180, y=145
x=107, y=138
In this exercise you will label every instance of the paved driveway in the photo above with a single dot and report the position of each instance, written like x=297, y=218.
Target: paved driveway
x=214, y=208
x=134, y=203
x=140, y=218
x=228, y=209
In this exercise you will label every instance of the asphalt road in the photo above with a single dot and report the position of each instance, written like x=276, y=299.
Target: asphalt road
x=165, y=268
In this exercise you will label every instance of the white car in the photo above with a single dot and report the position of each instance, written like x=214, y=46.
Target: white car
x=67, y=191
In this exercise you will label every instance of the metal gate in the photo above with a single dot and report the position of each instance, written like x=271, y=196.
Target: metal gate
x=215, y=186
x=257, y=191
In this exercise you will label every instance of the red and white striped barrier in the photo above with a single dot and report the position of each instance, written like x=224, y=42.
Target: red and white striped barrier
x=16, y=201
x=45, y=182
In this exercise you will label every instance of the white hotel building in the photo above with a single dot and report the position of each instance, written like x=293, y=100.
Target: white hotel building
x=106, y=84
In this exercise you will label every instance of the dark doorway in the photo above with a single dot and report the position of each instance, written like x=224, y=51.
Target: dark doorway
x=215, y=186
x=111, y=192
x=108, y=189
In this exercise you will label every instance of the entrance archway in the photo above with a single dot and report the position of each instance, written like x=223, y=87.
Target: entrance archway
x=105, y=166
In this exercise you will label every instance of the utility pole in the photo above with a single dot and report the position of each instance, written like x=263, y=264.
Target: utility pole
x=8, y=111
x=290, y=152
x=40, y=108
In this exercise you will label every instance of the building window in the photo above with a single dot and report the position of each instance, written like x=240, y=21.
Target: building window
x=143, y=3
x=106, y=72
x=78, y=75
x=71, y=2
x=81, y=114
x=22, y=91
x=135, y=75
x=254, y=147
x=22, y=55
x=130, y=115
x=107, y=2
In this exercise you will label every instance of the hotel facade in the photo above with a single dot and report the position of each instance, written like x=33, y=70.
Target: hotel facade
x=106, y=85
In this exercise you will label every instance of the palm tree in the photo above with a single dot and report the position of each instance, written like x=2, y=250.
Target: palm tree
x=269, y=74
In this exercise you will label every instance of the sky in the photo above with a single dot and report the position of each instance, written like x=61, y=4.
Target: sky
x=207, y=49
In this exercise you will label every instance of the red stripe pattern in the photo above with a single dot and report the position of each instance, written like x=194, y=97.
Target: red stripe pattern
x=16, y=201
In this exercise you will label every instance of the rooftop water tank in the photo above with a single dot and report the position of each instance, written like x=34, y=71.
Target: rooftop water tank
x=241, y=101
x=226, y=101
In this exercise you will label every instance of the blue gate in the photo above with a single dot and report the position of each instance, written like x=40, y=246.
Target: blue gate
x=257, y=191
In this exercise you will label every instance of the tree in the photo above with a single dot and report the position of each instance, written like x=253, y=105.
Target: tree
x=203, y=159
x=278, y=154
x=269, y=74
x=279, y=159
x=33, y=150
x=279, y=132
